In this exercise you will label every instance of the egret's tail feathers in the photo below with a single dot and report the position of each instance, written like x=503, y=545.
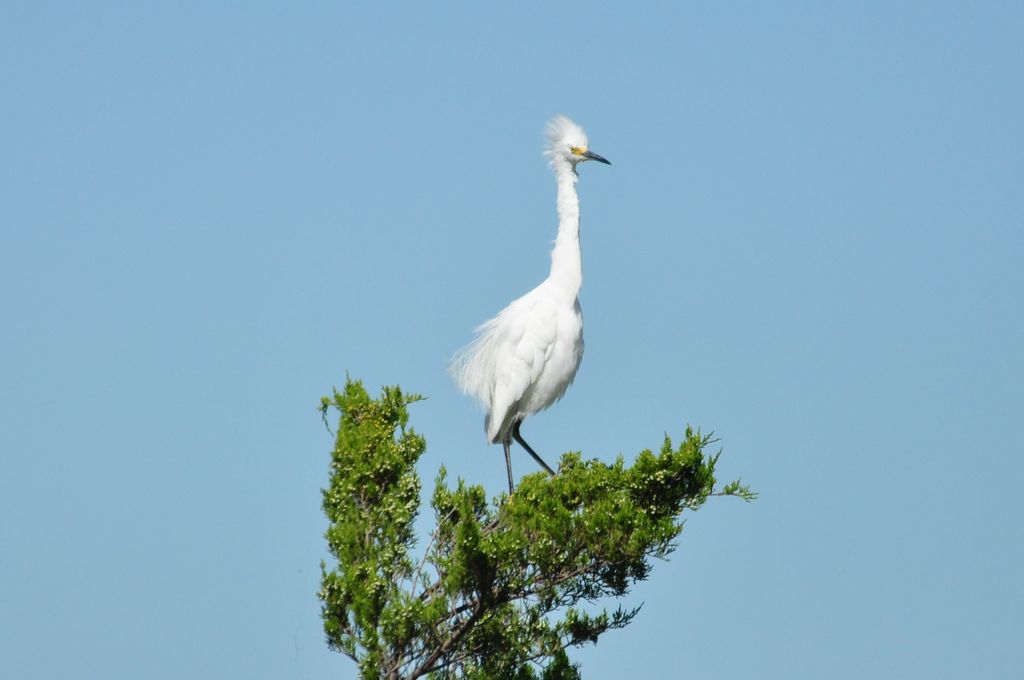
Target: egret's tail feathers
x=472, y=367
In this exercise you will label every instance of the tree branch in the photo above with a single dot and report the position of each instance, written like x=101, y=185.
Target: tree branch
x=463, y=628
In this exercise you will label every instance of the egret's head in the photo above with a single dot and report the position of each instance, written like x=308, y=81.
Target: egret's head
x=567, y=143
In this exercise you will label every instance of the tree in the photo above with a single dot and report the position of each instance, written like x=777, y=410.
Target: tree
x=502, y=588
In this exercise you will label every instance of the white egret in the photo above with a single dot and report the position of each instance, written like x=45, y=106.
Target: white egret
x=523, y=360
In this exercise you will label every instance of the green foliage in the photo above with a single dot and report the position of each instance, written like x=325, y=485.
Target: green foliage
x=503, y=587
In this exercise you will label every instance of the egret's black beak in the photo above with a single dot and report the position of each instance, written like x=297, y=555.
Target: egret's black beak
x=590, y=155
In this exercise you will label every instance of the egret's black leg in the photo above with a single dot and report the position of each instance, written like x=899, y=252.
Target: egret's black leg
x=508, y=463
x=519, y=438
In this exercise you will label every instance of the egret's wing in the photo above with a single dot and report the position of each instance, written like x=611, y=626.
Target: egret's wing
x=507, y=357
x=532, y=327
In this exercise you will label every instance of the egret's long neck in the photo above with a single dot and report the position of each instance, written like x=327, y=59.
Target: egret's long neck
x=566, y=260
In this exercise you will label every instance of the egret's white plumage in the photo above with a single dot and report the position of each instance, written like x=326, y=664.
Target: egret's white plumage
x=523, y=360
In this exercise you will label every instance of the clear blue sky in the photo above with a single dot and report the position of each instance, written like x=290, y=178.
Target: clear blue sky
x=811, y=242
